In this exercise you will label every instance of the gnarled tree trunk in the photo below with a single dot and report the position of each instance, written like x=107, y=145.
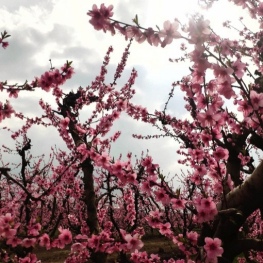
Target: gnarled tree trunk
x=239, y=203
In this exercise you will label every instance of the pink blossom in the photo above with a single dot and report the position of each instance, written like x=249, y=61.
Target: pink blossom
x=200, y=169
x=169, y=32
x=28, y=242
x=94, y=242
x=64, y=123
x=13, y=92
x=13, y=241
x=57, y=78
x=153, y=222
x=198, y=30
x=121, y=104
x=104, y=160
x=133, y=242
x=226, y=46
x=205, y=216
x=7, y=110
x=147, y=161
x=198, y=76
x=67, y=71
x=200, y=61
x=117, y=167
x=178, y=203
x=244, y=159
x=225, y=88
x=6, y=219
x=4, y=44
x=100, y=17
x=192, y=237
x=146, y=187
x=220, y=154
x=196, y=179
x=82, y=149
x=7, y=231
x=260, y=9
x=256, y=99
x=136, y=33
x=46, y=81
x=206, y=209
x=152, y=37
x=197, y=154
x=44, y=241
x=65, y=236
x=222, y=73
x=34, y=230
x=165, y=229
x=202, y=101
x=209, y=117
x=30, y=258
x=239, y=68
x=244, y=107
x=162, y=196
x=77, y=247
x=213, y=248
x=208, y=204
x=206, y=138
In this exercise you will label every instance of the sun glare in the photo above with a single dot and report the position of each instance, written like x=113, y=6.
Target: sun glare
x=169, y=10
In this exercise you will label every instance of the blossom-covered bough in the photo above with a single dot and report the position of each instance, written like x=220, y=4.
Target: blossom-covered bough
x=100, y=205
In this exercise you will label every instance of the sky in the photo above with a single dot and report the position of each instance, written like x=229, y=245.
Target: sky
x=59, y=30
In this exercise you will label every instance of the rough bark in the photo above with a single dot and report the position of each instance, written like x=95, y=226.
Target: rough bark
x=248, y=196
x=243, y=200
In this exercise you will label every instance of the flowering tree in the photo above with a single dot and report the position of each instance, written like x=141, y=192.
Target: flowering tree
x=99, y=205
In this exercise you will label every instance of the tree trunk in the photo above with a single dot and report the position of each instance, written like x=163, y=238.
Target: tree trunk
x=89, y=196
x=241, y=202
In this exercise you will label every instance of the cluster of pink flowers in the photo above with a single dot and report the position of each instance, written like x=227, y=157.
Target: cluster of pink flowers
x=101, y=20
x=30, y=258
x=55, y=78
x=9, y=232
x=3, y=43
x=8, y=228
x=213, y=249
x=133, y=242
x=206, y=209
x=142, y=257
x=5, y=110
x=100, y=17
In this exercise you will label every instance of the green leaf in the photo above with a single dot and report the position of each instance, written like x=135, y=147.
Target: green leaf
x=136, y=20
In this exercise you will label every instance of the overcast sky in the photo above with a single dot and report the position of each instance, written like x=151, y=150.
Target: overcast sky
x=59, y=30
